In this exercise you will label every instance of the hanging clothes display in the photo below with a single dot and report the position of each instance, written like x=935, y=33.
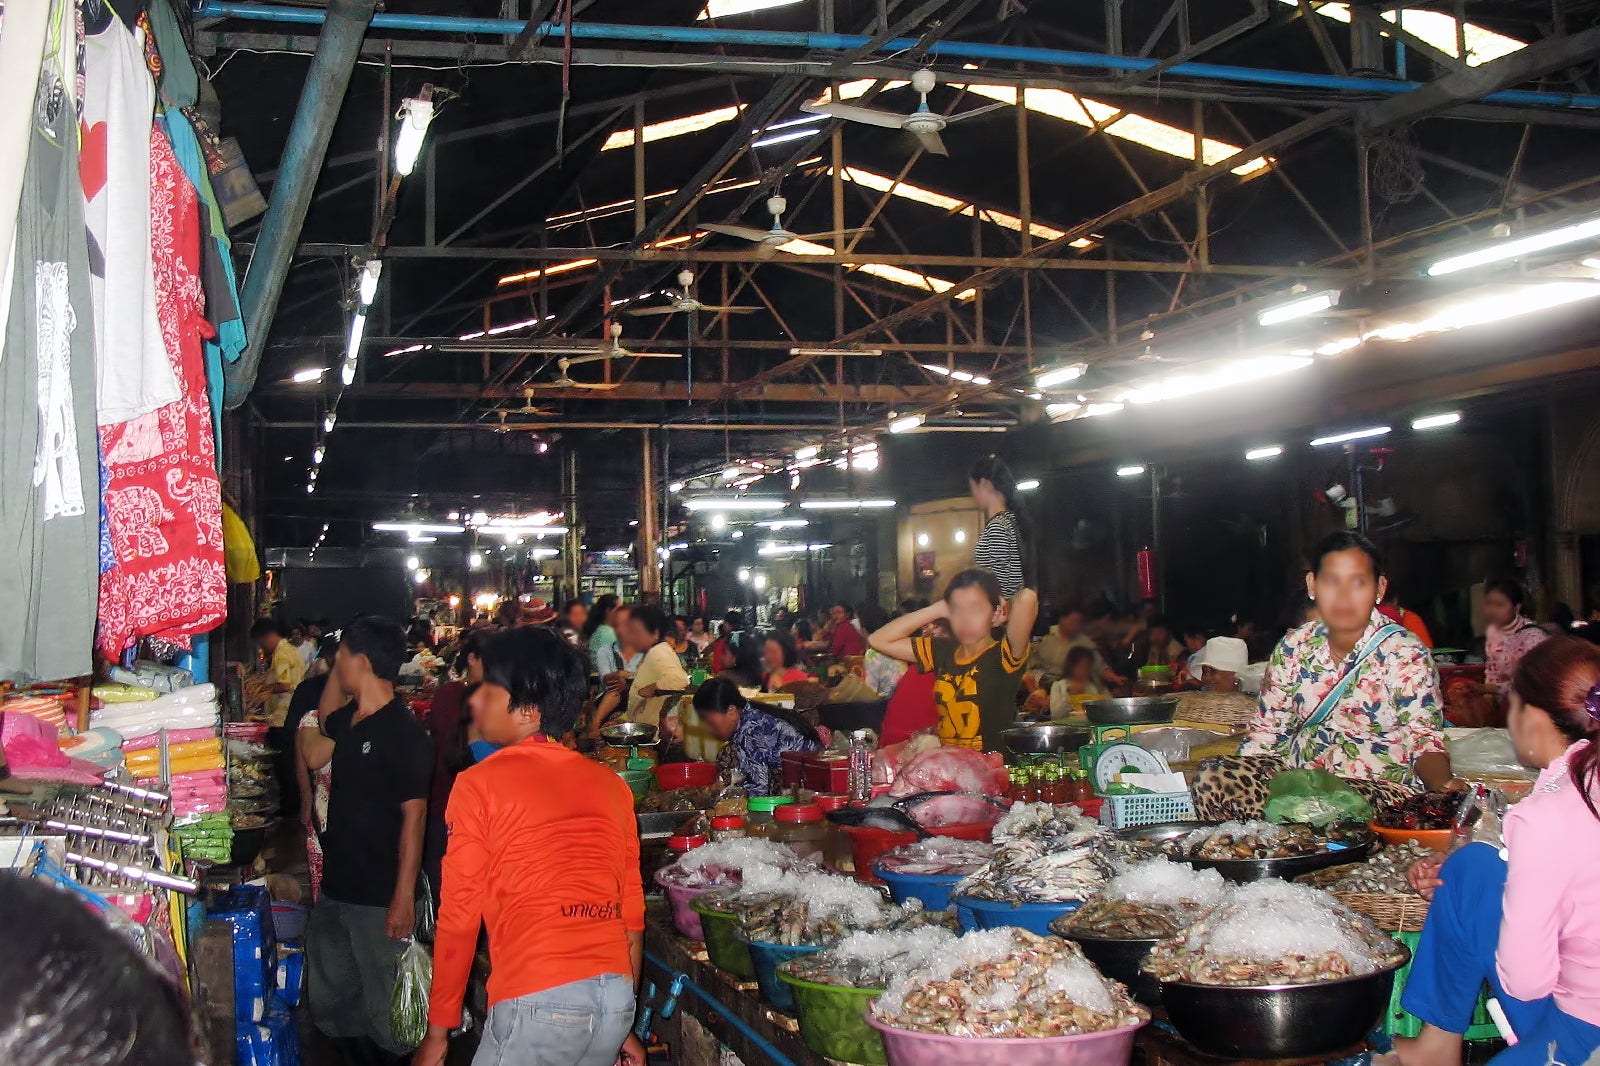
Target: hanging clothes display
x=163, y=497
x=22, y=44
x=48, y=455
x=133, y=372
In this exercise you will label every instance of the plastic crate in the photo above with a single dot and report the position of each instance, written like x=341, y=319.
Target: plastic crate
x=1398, y=1022
x=1122, y=812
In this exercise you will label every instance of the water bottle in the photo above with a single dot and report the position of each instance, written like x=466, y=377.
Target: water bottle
x=860, y=766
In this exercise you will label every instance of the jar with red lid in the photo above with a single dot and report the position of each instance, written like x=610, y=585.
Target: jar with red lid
x=678, y=846
x=727, y=827
x=802, y=829
x=836, y=850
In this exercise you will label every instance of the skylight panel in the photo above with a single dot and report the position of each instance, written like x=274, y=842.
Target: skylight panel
x=883, y=183
x=1437, y=29
x=675, y=127
x=716, y=9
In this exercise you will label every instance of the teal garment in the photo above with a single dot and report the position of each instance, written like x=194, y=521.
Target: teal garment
x=179, y=85
x=222, y=296
x=603, y=650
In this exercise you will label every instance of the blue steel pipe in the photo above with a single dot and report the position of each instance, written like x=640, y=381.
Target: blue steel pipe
x=766, y=1046
x=844, y=42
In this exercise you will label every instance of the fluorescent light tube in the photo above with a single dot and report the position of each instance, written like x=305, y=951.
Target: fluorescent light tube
x=415, y=116
x=315, y=373
x=1258, y=454
x=845, y=505
x=1522, y=246
x=1130, y=471
x=733, y=503
x=1027, y=486
x=1439, y=421
x=1059, y=376
x=1303, y=307
x=1354, y=434
x=906, y=424
x=810, y=451
x=370, y=273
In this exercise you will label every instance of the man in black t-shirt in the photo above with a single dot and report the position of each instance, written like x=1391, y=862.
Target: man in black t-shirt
x=382, y=765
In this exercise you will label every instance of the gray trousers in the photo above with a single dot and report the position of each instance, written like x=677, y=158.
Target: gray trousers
x=350, y=971
x=579, y=1024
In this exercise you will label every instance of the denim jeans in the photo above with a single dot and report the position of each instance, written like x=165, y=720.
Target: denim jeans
x=350, y=971
x=579, y=1024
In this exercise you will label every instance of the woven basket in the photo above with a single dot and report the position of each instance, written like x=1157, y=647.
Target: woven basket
x=1393, y=913
x=1232, y=710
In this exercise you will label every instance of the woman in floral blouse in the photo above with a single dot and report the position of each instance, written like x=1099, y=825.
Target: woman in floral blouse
x=1511, y=633
x=1387, y=724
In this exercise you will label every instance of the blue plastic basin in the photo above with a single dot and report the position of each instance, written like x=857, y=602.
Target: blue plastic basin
x=1034, y=917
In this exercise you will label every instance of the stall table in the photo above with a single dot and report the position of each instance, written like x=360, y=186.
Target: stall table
x=668, y=954
x=1156, y=1045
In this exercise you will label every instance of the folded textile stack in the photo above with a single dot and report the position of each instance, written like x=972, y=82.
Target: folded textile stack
x=199, y=792
x=205, y=836
x=194, y=707
x=192, y=757
x=51, y=710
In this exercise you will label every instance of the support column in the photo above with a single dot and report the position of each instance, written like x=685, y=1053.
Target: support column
x=649, y=533
x=343, y=27
x=571, y=553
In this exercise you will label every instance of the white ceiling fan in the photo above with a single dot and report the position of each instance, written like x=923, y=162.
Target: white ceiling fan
x=924, y=123
x=683, y=300
x=772, y=239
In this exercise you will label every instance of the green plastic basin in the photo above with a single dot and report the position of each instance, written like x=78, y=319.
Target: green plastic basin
x=833, y=1020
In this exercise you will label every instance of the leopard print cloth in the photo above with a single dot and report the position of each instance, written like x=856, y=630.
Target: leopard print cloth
x=1235, y=787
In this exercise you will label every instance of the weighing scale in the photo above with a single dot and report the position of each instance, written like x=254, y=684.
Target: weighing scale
x=1113, y=752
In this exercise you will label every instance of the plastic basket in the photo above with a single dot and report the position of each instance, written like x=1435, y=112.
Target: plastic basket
x=1121, y=812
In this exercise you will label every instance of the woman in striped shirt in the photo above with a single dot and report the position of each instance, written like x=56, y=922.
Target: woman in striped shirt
x=1002, y=547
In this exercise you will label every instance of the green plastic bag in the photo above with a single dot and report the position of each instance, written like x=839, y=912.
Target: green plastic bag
x=1315, y=798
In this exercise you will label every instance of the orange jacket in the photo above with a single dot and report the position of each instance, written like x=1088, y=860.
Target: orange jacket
x=544, y=850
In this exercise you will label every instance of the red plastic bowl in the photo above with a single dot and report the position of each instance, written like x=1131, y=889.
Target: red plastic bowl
x=686, y=775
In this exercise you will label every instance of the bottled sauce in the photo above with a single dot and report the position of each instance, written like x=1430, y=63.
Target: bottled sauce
x=1081, y=788
x=727, y=827
x=758, y=820
x=1048, y=777
x=1022, y=787
x=802, y=829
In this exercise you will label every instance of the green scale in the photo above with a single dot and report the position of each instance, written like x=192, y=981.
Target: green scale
x=1112, y=752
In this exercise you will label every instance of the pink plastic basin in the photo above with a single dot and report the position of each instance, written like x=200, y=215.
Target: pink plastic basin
x=684, y=919
x=1114, y=1047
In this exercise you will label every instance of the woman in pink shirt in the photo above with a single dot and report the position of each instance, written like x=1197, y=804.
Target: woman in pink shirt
x=1528, y=923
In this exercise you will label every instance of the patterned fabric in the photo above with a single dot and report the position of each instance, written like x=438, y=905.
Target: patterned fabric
x=1389, y=716
x=1234, y=787
x=163, y=498
x=320, y=780
x=758, y=744
x=977, y=697
x=1504, y=648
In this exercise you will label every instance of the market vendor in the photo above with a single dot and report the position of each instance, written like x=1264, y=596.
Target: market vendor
x=977, y=677
x=1529, y=922
x=1510, y=635
x=756, y=736
x=1352, y=693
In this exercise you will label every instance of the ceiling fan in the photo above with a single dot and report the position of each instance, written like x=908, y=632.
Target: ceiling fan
x=772, y=239
x=683, y=300
x=924, y=123
x=609, y=349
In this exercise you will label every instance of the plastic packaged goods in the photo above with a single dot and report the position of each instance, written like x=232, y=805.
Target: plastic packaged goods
x=727, y=827
x=408, y=1007
x=758, y=820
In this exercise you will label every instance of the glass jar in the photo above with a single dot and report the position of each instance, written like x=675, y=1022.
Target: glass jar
x=758, y=819
x=679, y=846
x=727, y=827
x=802, y=829
x=1048, y=777
x=1081, y=788
x=1022, y=789
x=836, y=850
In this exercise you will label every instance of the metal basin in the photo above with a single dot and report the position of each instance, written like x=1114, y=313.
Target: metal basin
x=1280, y=1021
x=1131, y=710
x=1045, y=738
x=1243, y=871
x=1117, y=959
x=628, y=734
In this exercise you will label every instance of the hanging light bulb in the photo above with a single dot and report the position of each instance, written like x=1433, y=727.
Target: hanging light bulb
x=415, y=116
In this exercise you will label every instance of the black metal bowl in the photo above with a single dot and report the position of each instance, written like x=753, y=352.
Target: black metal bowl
x=1280, y=1021
x=629, y=734
x=1131, y=710
x=1117, y=959
x=1243, y=871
